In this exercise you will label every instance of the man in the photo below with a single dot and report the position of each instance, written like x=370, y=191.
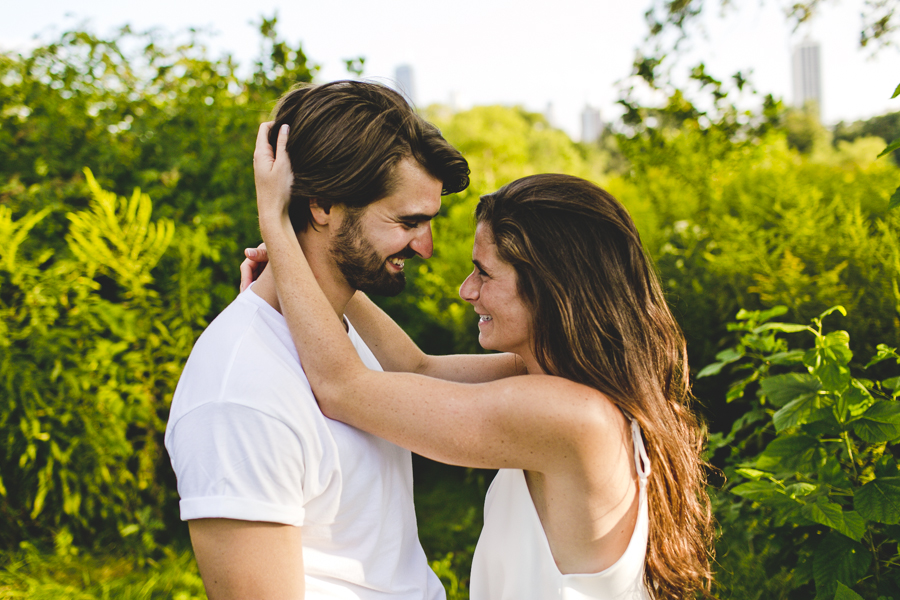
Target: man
x=281, y=501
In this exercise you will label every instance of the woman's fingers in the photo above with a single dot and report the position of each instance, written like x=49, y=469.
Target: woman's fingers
x=250, y=270
x=272, y=173
x=281, y=143
x=257, y=254
x=262, y=154
x=253, y=265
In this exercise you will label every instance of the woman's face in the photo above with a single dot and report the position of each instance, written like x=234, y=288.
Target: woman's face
x=492, y=289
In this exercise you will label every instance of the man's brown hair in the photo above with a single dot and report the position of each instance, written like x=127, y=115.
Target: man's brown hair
x=346, y=138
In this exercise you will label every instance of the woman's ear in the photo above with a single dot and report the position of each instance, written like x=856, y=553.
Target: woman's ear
x=321, y=212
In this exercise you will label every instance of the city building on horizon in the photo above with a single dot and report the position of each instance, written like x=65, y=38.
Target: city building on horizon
x=550, y=115
x=807, y=76
x=591, y=124
x=403, y=75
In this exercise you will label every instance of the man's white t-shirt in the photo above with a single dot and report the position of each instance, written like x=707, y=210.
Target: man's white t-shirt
x=247, y=441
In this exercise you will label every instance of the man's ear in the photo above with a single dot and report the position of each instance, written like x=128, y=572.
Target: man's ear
x=321, y=212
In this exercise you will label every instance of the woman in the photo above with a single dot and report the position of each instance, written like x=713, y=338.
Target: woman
x=561, y=281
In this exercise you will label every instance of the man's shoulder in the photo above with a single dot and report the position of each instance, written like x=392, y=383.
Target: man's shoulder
x=242, y=358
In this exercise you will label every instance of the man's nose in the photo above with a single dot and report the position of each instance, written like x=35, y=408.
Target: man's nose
x=468, y=291
x=423, y=244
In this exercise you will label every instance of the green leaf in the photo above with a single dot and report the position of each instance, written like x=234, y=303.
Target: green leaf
x=879, y=500
x=845, y=593
x=790, y=357
x=838, y=341
x=755, y=315
x=735, y=391
x=839, y=559
x=834, y=376
x=797, y=412
x=753, y=474
x=833, y=474
x=711, y=369
x=854, y=525
x=896, y=92
x=785, y=327
x=886, y=467
x=885, y=352
x=854, y=401
x=775, y=311
x=825, y=512
x=891, y=383
x=880, y=423
x=895, y=199
x=729, y=355
x=759, y=491
x=891, y=147
x=781, y=389
x=834, y=308
x=800, y=490
x=724, y=357
x=787, y=453
x=828, y=360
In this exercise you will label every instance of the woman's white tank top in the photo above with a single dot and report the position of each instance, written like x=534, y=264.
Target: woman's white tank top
x=513, y=560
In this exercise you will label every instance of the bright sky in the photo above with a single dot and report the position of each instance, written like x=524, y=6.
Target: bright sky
x=566, y=52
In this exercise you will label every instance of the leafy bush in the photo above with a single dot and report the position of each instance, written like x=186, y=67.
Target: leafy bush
x=89, y=356
x=814, y=483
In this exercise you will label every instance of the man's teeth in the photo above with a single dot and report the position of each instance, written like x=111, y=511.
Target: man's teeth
x=483, y=318
x=397, y=262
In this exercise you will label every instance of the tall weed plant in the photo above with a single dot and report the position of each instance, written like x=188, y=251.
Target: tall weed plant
x=812, y=504
x=756, y=224
x=91, y=346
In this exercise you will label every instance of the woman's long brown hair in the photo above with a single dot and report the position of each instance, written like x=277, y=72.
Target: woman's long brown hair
x=599, y=317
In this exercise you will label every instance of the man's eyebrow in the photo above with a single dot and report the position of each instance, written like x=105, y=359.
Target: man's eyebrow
x=418, y=217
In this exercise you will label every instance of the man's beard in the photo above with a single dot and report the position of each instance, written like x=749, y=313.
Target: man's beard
x=360, y=264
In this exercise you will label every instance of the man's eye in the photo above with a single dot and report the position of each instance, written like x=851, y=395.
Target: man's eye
x=411, y=225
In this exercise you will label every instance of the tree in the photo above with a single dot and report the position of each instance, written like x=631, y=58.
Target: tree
x=673, y=19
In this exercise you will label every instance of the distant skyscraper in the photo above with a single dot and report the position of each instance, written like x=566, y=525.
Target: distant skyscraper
x=405, y=82
x=550, y=114
x=807, y=75
x=591, y=125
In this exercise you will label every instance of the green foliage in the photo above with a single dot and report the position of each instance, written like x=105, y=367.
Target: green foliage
x=813, y=459
x=449, y=510
x=89, y=358
x=144, y=110
x=68, y=573
x=736, y=217
x=895, y=198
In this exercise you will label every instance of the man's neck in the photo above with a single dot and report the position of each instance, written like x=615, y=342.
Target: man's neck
x=330, y=280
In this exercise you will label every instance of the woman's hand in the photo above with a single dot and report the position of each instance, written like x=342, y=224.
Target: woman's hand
x=273, y=176
x=253, y=265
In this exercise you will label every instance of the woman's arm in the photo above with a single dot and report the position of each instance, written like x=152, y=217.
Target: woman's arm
x=535, y=422
x=395, y=350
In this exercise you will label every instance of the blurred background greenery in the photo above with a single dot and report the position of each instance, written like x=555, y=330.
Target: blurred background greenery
x=126, y=196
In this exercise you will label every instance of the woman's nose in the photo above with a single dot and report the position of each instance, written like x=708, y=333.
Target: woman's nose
x=468, y=291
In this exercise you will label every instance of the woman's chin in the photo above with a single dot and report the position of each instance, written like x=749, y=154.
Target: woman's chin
x=486, y=344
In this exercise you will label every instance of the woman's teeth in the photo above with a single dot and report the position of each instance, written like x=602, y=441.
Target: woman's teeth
x=484, y=318
x=397, y=262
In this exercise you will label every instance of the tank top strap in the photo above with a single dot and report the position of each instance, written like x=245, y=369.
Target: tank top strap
x=641, y=460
